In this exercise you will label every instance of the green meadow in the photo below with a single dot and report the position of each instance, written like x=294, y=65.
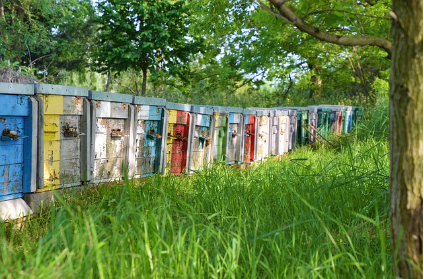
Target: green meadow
x=319, y=212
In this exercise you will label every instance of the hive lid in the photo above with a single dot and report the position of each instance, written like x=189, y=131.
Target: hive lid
x=249, y=111
x=330, y=107
x=110, y=97
x=234, y=109
x=178, y=106
x=297, y=108
x=313, y=108
x=138, y=100
x=281, y=111
x=16, y=88
x=220, y=109
x=278, y=112
x=63, y=90
x=292, y=112
x=262, y=112
x=202, y=110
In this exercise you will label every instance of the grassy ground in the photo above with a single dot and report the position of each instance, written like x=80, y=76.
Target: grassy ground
x=315, y=214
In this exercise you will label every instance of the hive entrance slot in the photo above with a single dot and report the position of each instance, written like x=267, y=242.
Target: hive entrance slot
x=70, y=131
x=153, y=134
x=8, y=135
x=117, y=133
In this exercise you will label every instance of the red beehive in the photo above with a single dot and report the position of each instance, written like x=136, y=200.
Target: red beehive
x=249, y=128
x=177, y=137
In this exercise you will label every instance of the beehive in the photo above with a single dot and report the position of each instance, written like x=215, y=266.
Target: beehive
x=263, y=134
x=178, y=134
x=220, y=134
x=249, y=135
x=235, y=134
x=112, y=135
x=146, y=158
x=202, y=127
x=64, y=135
x=18, y=140
x=280, y=127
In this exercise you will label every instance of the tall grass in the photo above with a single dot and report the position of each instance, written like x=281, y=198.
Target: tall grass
x=314, y=214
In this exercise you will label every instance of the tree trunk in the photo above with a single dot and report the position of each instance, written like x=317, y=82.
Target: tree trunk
x=108, y=81
x=144, y=84
x=406, y=138
x=316, y=81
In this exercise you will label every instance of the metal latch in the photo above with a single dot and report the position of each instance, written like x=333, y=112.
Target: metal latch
x=117, y=133
x=8, y=135
x=153, y=134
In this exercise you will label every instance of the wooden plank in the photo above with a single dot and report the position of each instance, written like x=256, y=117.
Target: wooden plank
x=11, y=154
x=11, y=179
x=52, y=104
x=85, y=159
x=119, y=110
x=14, y=105
x=73, y=105
x=30, y=148
x=108, y=169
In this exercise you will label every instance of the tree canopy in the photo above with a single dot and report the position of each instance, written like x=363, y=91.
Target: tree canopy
x=147, y=35
x=200, y=51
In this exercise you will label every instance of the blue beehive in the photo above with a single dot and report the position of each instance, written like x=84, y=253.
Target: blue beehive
x=18, y=140
x=146, y=157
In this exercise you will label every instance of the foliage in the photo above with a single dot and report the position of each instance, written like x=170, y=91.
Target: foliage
x=150, y=35
x=48, y=35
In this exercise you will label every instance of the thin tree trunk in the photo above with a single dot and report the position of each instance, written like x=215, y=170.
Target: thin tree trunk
x=406, y=138
x=144, y=84
x=108, y=81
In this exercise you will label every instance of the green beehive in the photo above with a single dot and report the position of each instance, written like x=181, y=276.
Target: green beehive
x=302, y=120
x=358, y=114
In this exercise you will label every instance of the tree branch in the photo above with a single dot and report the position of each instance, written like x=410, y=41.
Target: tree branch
x=342, y=11
x=303, y=26
x=271, y=11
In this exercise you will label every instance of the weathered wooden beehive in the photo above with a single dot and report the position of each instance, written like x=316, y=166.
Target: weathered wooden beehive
x=64, y=132
x=278, y=132
x=202, y=128
x=292, y=129
x=263, y=134
x=235, y=149
x=146, y=158
x=283, y=131
x=112, y=135
x=313, y=121
x=220, y=133
x=18, y=140
x=178, y=135
x=249, y=135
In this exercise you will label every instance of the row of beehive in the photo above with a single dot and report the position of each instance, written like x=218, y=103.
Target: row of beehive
x=59, y=136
